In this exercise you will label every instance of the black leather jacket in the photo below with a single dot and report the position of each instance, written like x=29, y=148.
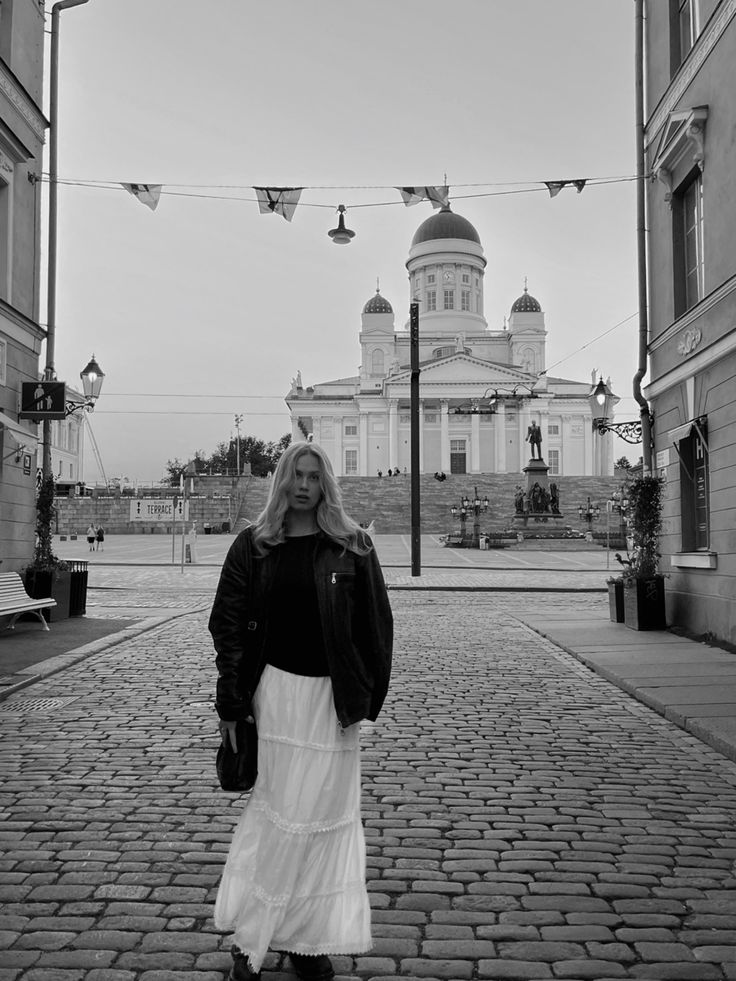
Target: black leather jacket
x=356, y=621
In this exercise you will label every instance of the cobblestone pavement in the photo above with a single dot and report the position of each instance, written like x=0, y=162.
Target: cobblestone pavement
x=525, y=819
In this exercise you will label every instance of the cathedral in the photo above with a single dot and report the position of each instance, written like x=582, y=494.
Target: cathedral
x=479, y=389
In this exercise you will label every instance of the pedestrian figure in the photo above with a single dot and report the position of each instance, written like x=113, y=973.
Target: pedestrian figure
x=100, y=536
x=91, y=537
x=534, y=438
x=303, y=632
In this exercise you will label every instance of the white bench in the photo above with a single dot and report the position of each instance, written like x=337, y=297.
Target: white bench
x=14, y=600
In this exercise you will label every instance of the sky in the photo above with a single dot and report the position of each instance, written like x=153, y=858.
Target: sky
x=205, y=308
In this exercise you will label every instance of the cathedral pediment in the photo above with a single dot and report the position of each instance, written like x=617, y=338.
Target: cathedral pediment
x=464, y=369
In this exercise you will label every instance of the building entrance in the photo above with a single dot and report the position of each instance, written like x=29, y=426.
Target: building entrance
x=457, y=456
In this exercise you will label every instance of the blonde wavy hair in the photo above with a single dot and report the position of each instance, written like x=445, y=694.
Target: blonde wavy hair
x=269, y=526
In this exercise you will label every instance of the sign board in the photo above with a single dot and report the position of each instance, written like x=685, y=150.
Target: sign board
x=154, y=509
x=42, y=400
x=663, y=459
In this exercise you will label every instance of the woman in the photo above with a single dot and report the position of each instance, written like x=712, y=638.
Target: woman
x=303, y=632
x=100, y=536
x=91, y=537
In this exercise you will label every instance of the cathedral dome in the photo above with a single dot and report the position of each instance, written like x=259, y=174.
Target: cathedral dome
x=377, y=304
x=445, y=224
x=526, y=304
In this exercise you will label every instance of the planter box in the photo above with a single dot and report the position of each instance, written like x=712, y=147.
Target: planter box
x=616, y=601
x=56, y=584
x=644, y=603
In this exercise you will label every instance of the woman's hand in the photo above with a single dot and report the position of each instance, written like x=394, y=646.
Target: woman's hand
x=228, y=731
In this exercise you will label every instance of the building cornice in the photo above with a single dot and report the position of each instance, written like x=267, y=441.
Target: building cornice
x=22, y=102
x=694, y=314
x=689, y=68
x=698, y=362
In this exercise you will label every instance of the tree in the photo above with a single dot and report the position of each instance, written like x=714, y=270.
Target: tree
x=622, y=463
x=261, y=456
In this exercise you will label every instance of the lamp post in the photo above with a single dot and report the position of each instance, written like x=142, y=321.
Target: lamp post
x=476, y=507
x=589, y=513
x=50, y=371
x=238, y=420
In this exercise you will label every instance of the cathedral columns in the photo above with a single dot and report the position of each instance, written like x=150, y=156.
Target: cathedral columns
x=475, y=443
x=500, y=434
x=338, y=462
x=393, y=434
x=363, y=455
x=444, y=436
x=421, y=435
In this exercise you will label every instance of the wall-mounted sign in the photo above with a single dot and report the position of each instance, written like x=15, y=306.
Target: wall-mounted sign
x=153, y=509
x=663, y=459
x=42, y=400
x=27, y=463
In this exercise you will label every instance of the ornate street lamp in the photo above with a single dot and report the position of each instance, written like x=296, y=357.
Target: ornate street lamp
x=92, y=378
x=466, y=507
x=589, y=513
x=601, y=401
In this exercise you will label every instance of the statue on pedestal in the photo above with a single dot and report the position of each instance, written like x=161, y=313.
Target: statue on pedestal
x=534, y=438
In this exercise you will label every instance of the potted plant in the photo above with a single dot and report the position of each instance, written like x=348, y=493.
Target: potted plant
x=643, y=584
x=48, y=575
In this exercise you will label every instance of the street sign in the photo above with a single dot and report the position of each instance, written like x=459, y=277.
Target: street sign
x=153, y=509
x=43, y=400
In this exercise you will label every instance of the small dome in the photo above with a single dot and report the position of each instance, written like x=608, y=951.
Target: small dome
x=526, y=304
x=377, y=304
x=445, y=224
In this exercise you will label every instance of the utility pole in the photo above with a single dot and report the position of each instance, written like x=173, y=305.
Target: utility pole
x=416, y=538
x=50, y=370
x=238, y=420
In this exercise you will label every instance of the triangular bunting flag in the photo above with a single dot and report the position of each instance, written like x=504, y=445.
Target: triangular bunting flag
x=554, y=187
x=280, y=200
x=437, y=196
x=147, y=194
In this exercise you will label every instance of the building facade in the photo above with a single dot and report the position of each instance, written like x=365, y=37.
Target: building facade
x=690, y=54
x=480, y=388
x=22, y=132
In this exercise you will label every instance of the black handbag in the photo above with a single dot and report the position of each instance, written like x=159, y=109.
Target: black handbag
x=238, y=771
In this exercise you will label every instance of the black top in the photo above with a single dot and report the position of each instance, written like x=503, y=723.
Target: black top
x=294, y=641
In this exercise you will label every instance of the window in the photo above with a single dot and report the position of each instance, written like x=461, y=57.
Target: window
x=695, y=487
x=553, y=459
x=444, y=352
x=465, y=300
x=5, y=234
x=687, y=216
x=553, y=429
x=685, y=21
x=378, y=362
x=449, y=299
x=466, y=278
x=431, y=299
x=430, y=278
x=351, y=427
x=351, y=462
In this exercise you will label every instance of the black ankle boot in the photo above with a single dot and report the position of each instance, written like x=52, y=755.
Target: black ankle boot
x=240, y=971
x=310, y=968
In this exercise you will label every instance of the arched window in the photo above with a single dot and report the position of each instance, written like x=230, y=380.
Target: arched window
x=378, y=362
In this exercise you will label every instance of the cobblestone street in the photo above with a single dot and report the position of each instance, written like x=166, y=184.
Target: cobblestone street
x=525, y=819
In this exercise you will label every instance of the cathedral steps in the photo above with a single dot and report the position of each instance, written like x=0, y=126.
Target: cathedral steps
x=387, y=501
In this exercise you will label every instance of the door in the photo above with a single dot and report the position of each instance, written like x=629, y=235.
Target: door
x=458, y=456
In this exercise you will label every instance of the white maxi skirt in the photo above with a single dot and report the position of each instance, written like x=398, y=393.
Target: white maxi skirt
x=294, y=879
